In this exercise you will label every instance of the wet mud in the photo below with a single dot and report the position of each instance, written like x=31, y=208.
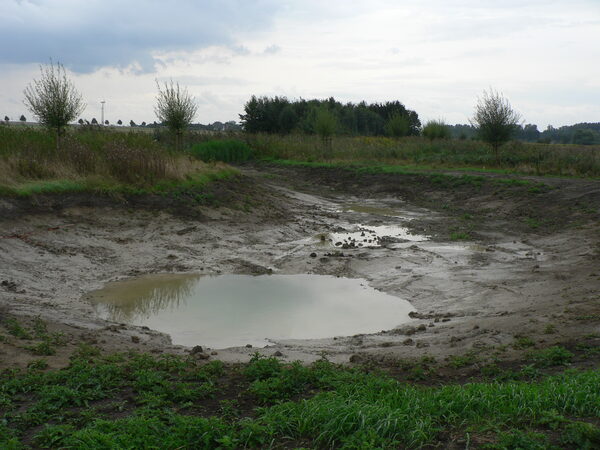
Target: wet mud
x=480, y=265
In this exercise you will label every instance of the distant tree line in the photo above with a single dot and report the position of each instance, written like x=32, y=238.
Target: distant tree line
x=283, y=116
x=580, y=133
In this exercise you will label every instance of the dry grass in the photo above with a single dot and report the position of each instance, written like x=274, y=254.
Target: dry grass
x=106, y=161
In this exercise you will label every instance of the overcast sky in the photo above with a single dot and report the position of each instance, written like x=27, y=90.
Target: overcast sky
x=435, y=56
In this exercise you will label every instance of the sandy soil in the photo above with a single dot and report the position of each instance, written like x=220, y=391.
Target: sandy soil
x=473, y=295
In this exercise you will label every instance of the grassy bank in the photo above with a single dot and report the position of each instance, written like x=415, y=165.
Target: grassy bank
x=421, y=153
x=96, y=160
x=139, y=401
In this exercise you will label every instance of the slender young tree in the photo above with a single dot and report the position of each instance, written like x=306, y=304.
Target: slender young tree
x=175, y=108
x=53, y=99
x=495, y=119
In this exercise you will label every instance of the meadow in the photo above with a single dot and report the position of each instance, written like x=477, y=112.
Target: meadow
x=94, y=159
x=421, y=153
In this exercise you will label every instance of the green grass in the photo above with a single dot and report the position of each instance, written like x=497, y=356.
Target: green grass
x=138, y=401
x=417, y=154
x=97, y=161
x=222, y=150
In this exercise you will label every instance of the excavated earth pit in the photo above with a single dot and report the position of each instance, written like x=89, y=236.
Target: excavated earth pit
x=502, y=279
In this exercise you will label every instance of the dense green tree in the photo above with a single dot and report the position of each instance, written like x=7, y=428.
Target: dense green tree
x=6, y=118
x=279, y=115
x=23, y=118
x=287, y=119
x=132, y=123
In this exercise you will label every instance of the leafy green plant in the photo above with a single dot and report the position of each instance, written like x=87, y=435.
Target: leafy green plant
x=552, y=356
x=16, y=329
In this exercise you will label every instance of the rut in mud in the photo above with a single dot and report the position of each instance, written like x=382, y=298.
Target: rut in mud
x=481, y=263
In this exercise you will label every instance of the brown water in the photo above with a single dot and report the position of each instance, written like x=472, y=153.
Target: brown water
x=235, y=310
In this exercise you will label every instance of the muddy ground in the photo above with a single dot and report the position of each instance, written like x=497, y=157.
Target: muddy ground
x=507, y=262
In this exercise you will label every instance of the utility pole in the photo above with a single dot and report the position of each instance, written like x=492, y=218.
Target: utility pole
x=102, y=103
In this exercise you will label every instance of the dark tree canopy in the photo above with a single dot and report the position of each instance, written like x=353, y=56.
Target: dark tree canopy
x=94, y=121
x=280, y=115
x=22, y=118
x=119, y=122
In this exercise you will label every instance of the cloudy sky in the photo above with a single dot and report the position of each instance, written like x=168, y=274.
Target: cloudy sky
x=435, y=56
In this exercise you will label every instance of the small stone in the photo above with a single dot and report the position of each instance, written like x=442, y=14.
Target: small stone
x=277, y=353
x=422, y=344
x=421, y=327
x=214, y=353
x=446, y=320
x=135, y=339
x=202, y=356
x=436, y=320
x=408, y=341
x=476, y=327
x=313, y=255
x=431, y=324
x=248, y=345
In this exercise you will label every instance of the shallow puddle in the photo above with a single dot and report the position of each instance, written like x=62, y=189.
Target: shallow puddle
x=235, y=310
x=372, y=236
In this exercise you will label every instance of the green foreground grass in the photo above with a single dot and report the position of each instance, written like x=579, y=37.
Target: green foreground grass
x=139, y=401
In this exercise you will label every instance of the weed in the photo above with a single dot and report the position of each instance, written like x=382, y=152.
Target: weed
x=521, y=342
x=43, y=348
x=38, y=364
x=457, y=361
x=552, y=356
x=459, y=236
x=518, y=440
x=15, y=329
x=550, y=329
x=582, y=435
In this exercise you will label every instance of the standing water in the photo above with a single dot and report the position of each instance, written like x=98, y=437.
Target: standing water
x=235, y=310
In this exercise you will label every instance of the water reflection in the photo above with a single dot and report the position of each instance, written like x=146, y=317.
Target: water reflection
x=234, y=310
x=140, y=298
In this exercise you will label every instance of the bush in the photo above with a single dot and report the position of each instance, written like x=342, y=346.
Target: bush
x=225, y=150
x=436, y=129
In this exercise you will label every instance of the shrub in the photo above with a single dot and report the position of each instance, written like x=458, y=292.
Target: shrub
x=436, y=129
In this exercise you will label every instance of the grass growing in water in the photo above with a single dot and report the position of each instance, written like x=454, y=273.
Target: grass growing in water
x=138, y=401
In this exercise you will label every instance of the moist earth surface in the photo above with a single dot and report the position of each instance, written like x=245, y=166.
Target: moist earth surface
x=483, y=261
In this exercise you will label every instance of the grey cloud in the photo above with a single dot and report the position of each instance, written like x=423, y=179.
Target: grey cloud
x=193, y=80
x=87, y=35
x=272, y=49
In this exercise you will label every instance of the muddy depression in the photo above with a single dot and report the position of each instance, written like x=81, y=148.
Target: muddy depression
x=312, y=265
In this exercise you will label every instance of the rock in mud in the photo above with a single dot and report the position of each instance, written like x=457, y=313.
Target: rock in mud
x=313, y=255
x=135, y=339
x=248, y=345
x=278, y=353
x=421, y=327
x=408, y=341
x=196, y=349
